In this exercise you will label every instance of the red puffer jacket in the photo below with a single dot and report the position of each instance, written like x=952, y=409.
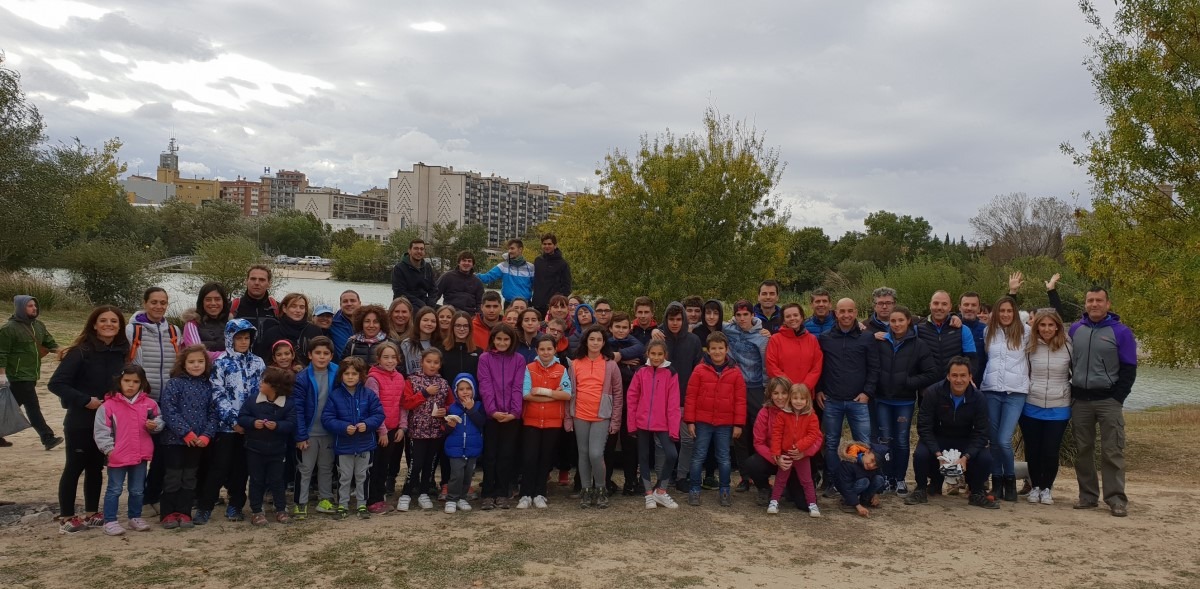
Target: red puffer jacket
x=716, y=399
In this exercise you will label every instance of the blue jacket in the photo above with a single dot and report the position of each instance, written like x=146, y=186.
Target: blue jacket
x=517, y=279
x=772, y=323
x=339, y=332
x=749, y=350
x=344, y=409
x=850, y=364
x=818, y=327
x=466, y=439
x=187, y=408
x=305, y=393
x=267, y=441
x=235, y=376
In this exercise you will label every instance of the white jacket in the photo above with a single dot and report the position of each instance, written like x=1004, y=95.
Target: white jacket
x=1007, y=370
x=1050, y=377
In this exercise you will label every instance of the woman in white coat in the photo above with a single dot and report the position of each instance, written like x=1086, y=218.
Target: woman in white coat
x=1005, y=386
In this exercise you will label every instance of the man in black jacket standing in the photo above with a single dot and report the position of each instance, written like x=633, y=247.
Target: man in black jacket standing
x=413, y=278
x=849, y=371
x=551, y=274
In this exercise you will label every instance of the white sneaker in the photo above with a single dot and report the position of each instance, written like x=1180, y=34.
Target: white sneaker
x=1035, y=495
x=524, y=502
x=1046, y=498
x=425, y=502
x=404, y=502
x=463, y=505
x=650, y=502
x=451, y=507
x=901, y=489
x=539, y=502
x=813, y=510
x=665, y=500
x=138, y=524
x=773, y=507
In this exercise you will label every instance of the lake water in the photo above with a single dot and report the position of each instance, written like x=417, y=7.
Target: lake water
x=1154, y=386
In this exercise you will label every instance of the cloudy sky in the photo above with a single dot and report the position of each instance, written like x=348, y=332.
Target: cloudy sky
x=922, y=107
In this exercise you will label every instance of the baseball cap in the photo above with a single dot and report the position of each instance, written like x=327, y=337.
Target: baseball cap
x=322, y=310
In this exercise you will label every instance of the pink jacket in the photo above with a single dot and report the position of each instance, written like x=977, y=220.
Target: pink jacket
x=391, y=386
x=120, y=429
x=762, y=431
x=653, y=400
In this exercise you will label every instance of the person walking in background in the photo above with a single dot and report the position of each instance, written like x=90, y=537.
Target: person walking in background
x=23, y=342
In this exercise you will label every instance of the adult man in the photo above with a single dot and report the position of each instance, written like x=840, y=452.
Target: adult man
x=821, y=320
x=343, y=321
x=1104, y=366
x=794, y=352
x=944, y=338
x=23, y=342
x=514, y=273
x=684, y=351
x=412, y=278
x=953, y=416
x=693, y=311
x=748, y=346
x=486, y=319
x=256, y=305
x=551, y=274
x=849, y=370
x=883, y=300
x=643, y=320
x=460, y=287
x=766, y=310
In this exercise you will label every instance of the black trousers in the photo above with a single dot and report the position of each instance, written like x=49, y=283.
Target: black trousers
x=226, y=468
x=154, y=477
x=83, y=458
x=539, y=447
x=266, y=474
x=1043, y=439
x=760, y=471
x=499, y=457
x=26, y=396
x=926, y=467
x=381, y=462
x=426, y=454
x=627, y=458
x=179, y=464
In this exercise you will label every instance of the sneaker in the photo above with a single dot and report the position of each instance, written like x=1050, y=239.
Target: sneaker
x=917, y=497
x=283, y=518
x=202, y=517
x=95, y=520
x=363, y=512
x=901, y=489
x=694, y=498
x=113, y=528
x=170, y=522
x=665, y=500
x=52, y=443
x=829, y=492
x=234, y=514
x=444, y=493
x=463, y=505
x=472, y=494
x=525, y=502
x=585, y=498
x=813, y=510
x=709, y=483
x=650, y=502
x=847, y=508
x=984, y=501
x=73, y=525
x=300, y=512
x=258, y=519
x=342, y=512
x=773, y=507
x=451, y=507
x=743, y=486
x=631, y=490
x=888, y=487
x=185, y=521
x=138, y=524
x=1035, y=495
x=378, y=507
x=612, y=488
x=539, y=502
x=601, y=498
x=763, y=497
x=403, y=503
x=425, y=502
x=683, y=486
x=489, y=503
x=1046, y=498
x=564, y=478
x=502, y=503
x=726, y=500
x=326, y=506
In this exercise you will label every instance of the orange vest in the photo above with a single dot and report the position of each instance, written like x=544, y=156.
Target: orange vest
x=545, y=415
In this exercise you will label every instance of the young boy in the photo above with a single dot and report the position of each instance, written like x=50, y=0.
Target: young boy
x=714, y=412
x=352, y=416
x=693, y=308
x=629, y=353
x=643, y=314
x=269, y=421
x=488, y=317
x=315, y=444
x=464, y=444
x=858, y=476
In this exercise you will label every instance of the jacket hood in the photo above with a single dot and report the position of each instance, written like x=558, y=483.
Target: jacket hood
x=667, y=311
x=713, y=304
x=465, y=377
x=849, y=450
x=665, y=364
x=554, y=255
x=19, y=303
x=189, y=315
x=755, y=327
x=234, y=327
x=408, y=261
x=912, y=334
x=590, y=310
x=729, y=361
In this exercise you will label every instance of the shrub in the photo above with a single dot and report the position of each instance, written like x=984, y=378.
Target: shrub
x=109, y=272
x=225, y=259
x=365, y=261
x=49, y=295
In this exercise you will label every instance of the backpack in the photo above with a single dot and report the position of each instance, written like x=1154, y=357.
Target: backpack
x=136, y=342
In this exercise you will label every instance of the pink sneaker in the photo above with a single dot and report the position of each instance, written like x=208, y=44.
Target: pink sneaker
x=113, y=528
x=378, y=507
x=137, y=524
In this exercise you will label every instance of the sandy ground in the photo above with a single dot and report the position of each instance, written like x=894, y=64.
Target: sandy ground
x=944, y=543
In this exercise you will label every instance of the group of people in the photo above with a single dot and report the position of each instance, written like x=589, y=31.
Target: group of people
x=269, y=394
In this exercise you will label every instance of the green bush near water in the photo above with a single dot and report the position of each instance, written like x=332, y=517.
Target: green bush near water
x=49, y=296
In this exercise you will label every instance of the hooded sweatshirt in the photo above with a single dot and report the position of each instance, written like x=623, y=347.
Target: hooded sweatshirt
x=235, y=376
x=517, y=275
x=462, y=290
x=652, y=402
x=465, y=440
x=415, y=284
x=551, y=276
x=154, y=349
x=850, y=469
x=120, y=429
x=1104, y=360
x=20, y=340
x=749, y=350
x=703, y=329
x=684, y=350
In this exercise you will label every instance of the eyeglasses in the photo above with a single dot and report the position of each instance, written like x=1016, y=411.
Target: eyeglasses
x=885, y=303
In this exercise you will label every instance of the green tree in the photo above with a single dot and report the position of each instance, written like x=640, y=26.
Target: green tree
x=1143, y=234
x=809, y=260
x=109, y=272
x=225, y=259
x=364, y=261
x=186, y=225
x=294, y=233
x=685, y=214
x=472, y=238
x=344, y=238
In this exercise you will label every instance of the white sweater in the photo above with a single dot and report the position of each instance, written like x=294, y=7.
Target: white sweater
x=1007, y=370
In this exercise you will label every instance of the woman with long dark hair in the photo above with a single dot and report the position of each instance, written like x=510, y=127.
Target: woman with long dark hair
x=370, y=329
x=1005, y=386
x=205, y=324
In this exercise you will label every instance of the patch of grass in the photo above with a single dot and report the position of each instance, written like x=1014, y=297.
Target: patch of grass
x=1160, y=442
x=50, y=296
x=686, y=581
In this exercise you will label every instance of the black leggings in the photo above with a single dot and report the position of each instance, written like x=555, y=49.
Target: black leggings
x=381, y=463
x=499, y=457
x=226, y=468
x=179, y=464
x=426, y=454
x=83, y=457
x=1043, y=439
x=628, y=458
x=539, y=448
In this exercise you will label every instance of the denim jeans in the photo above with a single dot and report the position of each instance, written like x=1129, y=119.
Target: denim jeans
x=894, y=423
x=717, y=436
x=117, y=476
x=1004, y=410
x=865, y=488
x=859, y=416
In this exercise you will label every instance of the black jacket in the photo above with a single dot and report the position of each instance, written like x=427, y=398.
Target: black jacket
x=266, y=441
x=86, y=371
x=297, y=332
x=939, y=424
x=458, y=360
x=875, y=325
x=904, y=369
x=461, y=289
x=944, y=343
x=551, y=276
x=851, y=364
x=684, y=351
x=263, y=313
x=415, y=284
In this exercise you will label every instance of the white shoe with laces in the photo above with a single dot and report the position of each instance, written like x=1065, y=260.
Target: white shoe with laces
x=1046, y=498
x=524, y=502
x=1035, y=495
x=539, y=502
x=813, y=510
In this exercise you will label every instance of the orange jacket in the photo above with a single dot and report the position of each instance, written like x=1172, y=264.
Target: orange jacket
x=553, y=377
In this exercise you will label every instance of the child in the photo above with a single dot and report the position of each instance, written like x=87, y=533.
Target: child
x=714, y=410
x=761, y=464
x=595, y=411
x=426, y=428
x=796, y=437
x=693, y=308
x=858, y=477
x=352, y=415
x=643, y=314
x=283, y=355
x=501, y=374
x=465, y=442
x=390, y=385
x=130, y=446
x=546, y=390
x=269, y=421
x=235, y=378
x=310, y=394
x=191, y=423
x=629, y=353
x=653, y=402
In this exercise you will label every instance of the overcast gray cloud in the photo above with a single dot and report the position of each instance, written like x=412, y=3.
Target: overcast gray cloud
x=922, y=107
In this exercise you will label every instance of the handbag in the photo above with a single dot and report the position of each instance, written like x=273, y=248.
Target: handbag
x=11, y=418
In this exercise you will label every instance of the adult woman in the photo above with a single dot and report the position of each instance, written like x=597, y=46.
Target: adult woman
x=82, y=379
x=153, y=343
x=422, y=338
x=1047, y=409
x=400, y=314
x=529, y=326
x=501, y=378
x=370, y=328
x=595, y=410
x=573, y=303
x=205, y=324
x=445, y=317
x=294, y=326
x=906, y=367
x=1005, y=386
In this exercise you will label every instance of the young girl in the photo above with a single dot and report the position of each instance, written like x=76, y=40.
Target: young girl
x=560, y=309
x=501, y=374
x=352, y=414
x=370, y=328
x=459, y=353
x=530, y=327
x=424, y=327
x=426, y=427
x=283, y=355
x=595, y=411
x=390, y=385
x=190, y=426
x=464, y=444
x=269, y=420
x=128, y=447
x=511, y=316
x=445, y=318
x=761, y=465
x=653, y=400
x=1005, y=386
x=546, y=391
x=796, y=434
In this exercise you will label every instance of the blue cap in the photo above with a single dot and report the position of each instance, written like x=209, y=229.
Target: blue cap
x=322, y=310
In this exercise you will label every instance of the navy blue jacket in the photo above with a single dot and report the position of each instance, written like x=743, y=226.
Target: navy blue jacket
x=851, y=364
x=905, y=368
x=343, y=409
x=304, y=392
x=818, y=328
x=940, y=424
x=466, y=439
x=266, y=441
x=186, y=405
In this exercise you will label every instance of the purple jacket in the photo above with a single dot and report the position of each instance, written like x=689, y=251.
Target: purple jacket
x=501, y=380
